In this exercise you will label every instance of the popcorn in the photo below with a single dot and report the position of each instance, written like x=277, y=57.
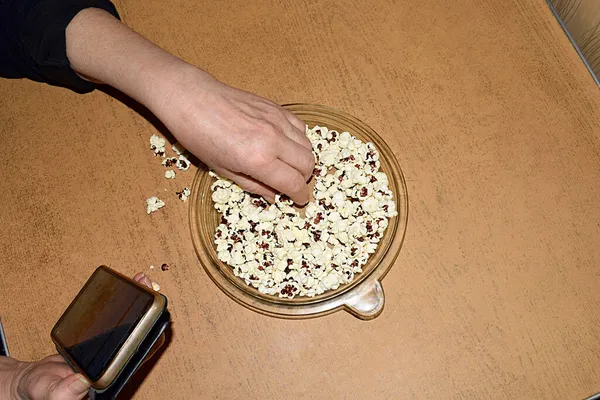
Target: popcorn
x=183, y=194
x=169, y=161
x=154, y=204
x=221, y=196
x=183, y=163
x=276, y=250
x=157, y=144
x=170, y=174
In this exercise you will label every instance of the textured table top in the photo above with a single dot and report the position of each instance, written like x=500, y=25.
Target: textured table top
x=495, y=122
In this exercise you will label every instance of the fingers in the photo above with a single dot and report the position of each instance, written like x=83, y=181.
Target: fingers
x=297, y=157
x=54, y=358
x=295, y=121
x=73, y=387
x=143, y=279
x=248, y=184
x=297, y=131
x=285, y=179
x=159, y=343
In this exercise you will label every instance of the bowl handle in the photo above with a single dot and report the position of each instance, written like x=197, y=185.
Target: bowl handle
x=367, y=302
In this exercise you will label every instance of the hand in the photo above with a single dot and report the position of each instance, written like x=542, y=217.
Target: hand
x=51, y=378
x=241, y=136
x=246, y=138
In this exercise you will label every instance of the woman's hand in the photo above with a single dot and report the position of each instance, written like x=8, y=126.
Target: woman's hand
x=49, y=379
x=246, y=138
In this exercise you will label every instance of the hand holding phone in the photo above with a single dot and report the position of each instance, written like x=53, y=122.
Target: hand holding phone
x=108, y=330
x=52, y=377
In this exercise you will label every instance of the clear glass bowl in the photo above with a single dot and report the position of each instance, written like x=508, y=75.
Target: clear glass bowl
x=364, y=296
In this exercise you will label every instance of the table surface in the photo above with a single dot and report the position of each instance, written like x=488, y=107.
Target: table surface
x=495, y=122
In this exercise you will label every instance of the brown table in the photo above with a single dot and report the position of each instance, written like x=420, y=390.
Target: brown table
x=495, y=122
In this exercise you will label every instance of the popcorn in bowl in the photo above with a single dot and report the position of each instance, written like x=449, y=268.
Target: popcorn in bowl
x=276, y=250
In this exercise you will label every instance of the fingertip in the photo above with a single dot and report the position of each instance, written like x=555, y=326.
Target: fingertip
x=301, y=198
x=146, y=281
x=269, y=199
x=76, y=386
x=138, y=277
x=295, y=121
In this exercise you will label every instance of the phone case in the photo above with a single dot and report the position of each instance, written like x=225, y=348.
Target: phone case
x=134, y=363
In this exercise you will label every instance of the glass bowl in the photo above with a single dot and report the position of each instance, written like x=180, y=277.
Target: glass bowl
x=363, y=297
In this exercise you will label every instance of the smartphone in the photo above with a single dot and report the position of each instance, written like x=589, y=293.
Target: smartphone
x=106, y=325
x=3, y=345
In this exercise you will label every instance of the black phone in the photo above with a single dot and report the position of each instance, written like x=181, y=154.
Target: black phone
x=109, y=328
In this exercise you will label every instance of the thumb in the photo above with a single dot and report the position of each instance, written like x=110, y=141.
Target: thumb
x=73, y=387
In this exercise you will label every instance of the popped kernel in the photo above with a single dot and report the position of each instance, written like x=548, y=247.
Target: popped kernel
x=157, y=144
x=153, y=204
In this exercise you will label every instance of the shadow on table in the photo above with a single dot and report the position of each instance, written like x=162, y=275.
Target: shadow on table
x=139, y=377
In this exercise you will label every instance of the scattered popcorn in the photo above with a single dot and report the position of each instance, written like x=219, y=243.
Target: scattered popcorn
x=170, y=174
x=154, y=204
x=169, y=161
x=157, y=144
x=155, y=286
x=279, y=252
x=183, y=163
x=183, y=194
x=152, y=267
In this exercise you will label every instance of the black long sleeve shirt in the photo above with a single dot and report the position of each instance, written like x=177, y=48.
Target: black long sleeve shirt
x=33, y=42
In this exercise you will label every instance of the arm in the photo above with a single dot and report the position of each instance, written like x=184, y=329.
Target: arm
x=241, y=136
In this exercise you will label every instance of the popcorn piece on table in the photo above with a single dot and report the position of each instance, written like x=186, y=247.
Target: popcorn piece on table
x=183, y=194
x=157, y=144
x=154, y=204
x=183, y=163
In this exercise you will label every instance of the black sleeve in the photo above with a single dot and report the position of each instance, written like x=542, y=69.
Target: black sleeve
x=33, y=42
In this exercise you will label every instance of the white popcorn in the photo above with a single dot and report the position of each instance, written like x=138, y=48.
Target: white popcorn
x=301, y=235
x=370, y=205
x=221, y=196
x=345, y=139
x=279, y=276
x=170, y=174
x=157, y=144
x=280, y=252
x=183, y=163
x=331, y=281
x=154, y=204
x=237, y=258
x=334, y=216
x=169, y=161
x=311, y=210
x=184, y=194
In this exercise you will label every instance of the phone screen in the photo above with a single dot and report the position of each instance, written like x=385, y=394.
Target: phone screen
x=100, y=319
